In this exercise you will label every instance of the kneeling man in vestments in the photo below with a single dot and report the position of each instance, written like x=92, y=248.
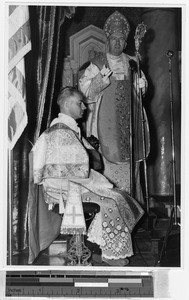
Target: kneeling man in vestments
x=60, y=174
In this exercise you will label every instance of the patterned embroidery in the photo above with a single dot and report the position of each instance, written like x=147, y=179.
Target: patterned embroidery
x=62, y=146
x=87, y=199
x=37, y=175
x=104, y=224
x=118, y=244
x=118, y=174
x=64, y=155
x=122, y=98
x=66, y=170
x=59, y=138
x=113, y=235
x=97, y=85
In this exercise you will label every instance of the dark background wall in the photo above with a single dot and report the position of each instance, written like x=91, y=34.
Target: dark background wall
x=85, y=16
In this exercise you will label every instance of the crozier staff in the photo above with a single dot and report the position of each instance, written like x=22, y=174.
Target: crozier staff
x=110, y=87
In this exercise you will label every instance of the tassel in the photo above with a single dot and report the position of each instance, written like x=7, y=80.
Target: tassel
x=61, y=204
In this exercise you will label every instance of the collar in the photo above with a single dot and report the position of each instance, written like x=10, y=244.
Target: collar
x=119, y=65
x=113, y=57
x=67, y=120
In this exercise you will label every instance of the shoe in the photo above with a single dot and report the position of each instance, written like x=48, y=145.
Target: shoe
x=117, y=262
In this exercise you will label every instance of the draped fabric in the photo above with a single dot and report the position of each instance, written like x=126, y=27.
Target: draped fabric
x=50, y=19
x=41, y=70
x=19, y=46
x=18, y=195
x=49, y=29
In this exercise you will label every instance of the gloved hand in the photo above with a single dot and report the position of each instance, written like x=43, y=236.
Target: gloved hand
x=142, y=83
x=105, y=72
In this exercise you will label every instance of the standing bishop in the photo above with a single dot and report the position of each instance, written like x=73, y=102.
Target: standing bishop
x=110, y=86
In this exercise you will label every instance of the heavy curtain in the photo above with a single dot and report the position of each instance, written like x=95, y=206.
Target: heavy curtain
x=41, y=80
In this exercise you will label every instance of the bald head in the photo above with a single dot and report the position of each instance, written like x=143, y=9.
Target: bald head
x=70, y=101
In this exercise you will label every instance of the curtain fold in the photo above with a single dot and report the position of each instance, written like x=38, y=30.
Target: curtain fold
x=19, y=207
x=60, y=19
x=47, y=30
x=41, y=71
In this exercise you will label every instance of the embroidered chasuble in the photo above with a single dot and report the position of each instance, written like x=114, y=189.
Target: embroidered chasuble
x=61, y=170
x=65, y=158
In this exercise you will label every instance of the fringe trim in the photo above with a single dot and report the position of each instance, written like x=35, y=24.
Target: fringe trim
x=73, y=231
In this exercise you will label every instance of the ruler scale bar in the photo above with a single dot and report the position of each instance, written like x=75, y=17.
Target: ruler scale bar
x=125, y=284
x=125, y=280
x=47, y=280
x=67, y=291
x=92, y=284
x=79, y=284
x=80, y=273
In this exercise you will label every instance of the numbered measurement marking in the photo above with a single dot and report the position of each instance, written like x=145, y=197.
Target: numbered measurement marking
x=79, y=284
